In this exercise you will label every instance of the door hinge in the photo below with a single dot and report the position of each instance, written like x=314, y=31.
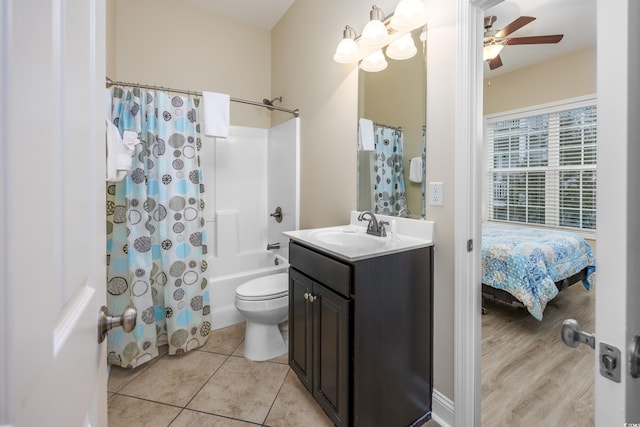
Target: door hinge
x=469, y=245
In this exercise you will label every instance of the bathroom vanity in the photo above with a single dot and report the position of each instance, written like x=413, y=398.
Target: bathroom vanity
x=360, y=325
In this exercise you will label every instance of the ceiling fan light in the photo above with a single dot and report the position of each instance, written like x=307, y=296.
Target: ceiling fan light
x=374, y=62
x=403, y=48
x=490, y=51
x=409, y=15
x=375, y=33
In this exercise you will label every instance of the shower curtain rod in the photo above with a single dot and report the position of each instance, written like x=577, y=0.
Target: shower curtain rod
x=110, y=83
x=388, y=126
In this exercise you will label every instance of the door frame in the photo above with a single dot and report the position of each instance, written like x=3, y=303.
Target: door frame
x=468, y=215
x=468, y=203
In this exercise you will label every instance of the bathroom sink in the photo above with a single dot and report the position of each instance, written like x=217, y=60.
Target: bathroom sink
x=351, y=242
x=348, y=237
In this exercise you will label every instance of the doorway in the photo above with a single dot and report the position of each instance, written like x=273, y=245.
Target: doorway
x=526, y=369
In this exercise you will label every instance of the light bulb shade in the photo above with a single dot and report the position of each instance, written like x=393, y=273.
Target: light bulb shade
x=374, y=62
x=490, y=51
x=347, y=51
x=403, y=48
x=409, y=15
x=375, y=33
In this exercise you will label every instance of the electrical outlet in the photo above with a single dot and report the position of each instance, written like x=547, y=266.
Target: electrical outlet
x=436, y=193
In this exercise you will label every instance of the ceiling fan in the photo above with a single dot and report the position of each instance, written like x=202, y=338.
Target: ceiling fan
x=495, y=40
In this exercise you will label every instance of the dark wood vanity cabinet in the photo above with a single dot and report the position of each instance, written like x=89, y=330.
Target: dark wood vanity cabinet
x=319, y=337
x=360, y=334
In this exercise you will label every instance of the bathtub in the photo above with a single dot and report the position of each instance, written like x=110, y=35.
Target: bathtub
x=226, y=274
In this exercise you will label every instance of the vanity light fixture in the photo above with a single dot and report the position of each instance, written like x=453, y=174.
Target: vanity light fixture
x=347, y=50
x=374, y=62
x=375, y=33
x=403, y=48
x=394, y=31
x=409, y=15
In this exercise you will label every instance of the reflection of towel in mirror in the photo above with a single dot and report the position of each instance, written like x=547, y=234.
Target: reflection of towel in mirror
x=367, y=143
x=415, y=170
x=119, y=152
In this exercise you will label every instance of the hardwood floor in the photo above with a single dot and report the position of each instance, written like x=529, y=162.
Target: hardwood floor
x=529, y=377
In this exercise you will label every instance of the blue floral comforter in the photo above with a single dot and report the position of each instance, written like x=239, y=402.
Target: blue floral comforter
x=526, y=262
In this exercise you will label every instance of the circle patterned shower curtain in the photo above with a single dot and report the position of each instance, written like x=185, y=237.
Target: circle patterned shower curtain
x=155, y=230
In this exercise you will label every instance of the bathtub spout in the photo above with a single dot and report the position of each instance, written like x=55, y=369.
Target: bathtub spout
x=273, y=246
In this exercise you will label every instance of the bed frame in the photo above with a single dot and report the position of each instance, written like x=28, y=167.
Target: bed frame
x=504, y=296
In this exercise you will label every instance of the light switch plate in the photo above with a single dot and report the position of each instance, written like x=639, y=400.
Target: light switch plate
x=436, y=194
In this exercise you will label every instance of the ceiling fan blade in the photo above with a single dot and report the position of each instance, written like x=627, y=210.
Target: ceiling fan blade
x=535, y=39
x=495, y=63
x=515, y=25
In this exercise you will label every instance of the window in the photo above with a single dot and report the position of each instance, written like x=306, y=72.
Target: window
x=542, y=165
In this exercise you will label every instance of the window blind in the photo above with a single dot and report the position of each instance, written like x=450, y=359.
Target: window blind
x=541, y=166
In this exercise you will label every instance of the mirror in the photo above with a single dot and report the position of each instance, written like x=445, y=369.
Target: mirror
x=394, y=98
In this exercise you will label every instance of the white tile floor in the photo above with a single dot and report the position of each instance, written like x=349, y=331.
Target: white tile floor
x=213, y=386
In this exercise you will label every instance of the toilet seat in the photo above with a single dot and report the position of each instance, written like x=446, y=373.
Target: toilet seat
x=264, y=288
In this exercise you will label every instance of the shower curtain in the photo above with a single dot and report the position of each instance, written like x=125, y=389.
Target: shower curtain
x=155, y=230
x=388, y=173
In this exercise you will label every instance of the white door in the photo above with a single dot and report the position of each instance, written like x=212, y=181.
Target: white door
x=52, y=221
x=618, y=235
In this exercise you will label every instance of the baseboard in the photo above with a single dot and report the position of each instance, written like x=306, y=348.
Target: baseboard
x=442, y=411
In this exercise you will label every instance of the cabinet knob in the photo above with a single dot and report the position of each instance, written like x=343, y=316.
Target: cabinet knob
x=306, y=296
x=312, y=298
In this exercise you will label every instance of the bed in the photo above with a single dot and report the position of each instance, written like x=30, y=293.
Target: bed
x=532, y=265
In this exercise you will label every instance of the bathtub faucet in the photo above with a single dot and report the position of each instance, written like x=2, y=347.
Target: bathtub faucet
x=273, y=246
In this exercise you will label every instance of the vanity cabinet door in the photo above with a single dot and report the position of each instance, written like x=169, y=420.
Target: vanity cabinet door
x=331, y=353
x=300, y=327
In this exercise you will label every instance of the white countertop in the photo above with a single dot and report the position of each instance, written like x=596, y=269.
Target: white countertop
x=352, y=243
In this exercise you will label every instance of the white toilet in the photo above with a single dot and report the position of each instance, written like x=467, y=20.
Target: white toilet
x=265, y=303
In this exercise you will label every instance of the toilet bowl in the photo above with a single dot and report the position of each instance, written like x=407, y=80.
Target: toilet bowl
x=264, y=302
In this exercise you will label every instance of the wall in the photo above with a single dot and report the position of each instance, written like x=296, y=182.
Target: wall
x=303, y=71
x=173, y=44
x=565, y=77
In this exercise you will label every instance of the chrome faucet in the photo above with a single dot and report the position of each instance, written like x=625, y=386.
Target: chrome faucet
x=273, y=246
x=375, y=227
x=404, y=213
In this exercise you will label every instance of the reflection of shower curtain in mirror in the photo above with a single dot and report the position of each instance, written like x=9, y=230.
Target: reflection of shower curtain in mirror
x=155, y=234
x=388, y=173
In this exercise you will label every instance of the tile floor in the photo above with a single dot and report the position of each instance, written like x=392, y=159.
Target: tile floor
x=212, y=386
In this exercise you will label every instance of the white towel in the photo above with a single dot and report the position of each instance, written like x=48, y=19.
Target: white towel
x=215, y=109
x=415, y=169
x=119, y=152
x=367, y=142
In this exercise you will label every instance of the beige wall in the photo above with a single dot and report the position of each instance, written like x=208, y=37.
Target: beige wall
x=303, y=44
x=170, y=43
x=561, y=78
x=111, y=38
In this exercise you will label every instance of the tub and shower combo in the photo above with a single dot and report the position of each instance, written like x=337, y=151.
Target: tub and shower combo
x=255, y=178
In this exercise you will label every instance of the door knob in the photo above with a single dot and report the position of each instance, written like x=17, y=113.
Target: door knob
x=106, y=322
x=635, y=358
x=573, y=335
